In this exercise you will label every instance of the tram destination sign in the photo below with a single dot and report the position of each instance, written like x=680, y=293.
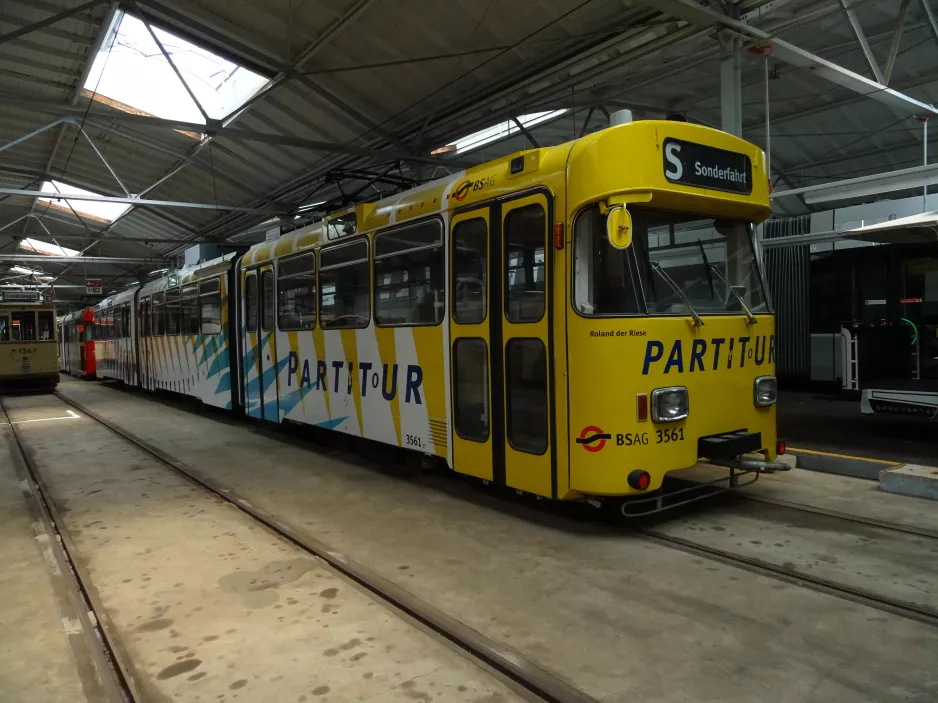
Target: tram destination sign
x=20, y=296
x=707, y=167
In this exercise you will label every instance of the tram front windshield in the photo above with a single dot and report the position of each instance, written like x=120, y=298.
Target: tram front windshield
x=674, y=260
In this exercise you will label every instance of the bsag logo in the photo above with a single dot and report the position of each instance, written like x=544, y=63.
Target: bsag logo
x=593, y=438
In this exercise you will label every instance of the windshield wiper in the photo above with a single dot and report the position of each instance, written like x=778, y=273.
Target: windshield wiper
x=698, y=320
x=752, y=318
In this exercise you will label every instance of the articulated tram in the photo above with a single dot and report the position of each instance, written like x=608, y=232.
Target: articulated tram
x=574, y=322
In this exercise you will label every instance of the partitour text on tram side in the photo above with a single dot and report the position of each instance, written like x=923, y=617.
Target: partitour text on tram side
x=367, y=377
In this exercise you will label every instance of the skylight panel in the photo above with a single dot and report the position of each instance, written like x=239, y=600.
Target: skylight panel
x=502, y=130
x=39, y=247
x=131, y=70
x=105, y=212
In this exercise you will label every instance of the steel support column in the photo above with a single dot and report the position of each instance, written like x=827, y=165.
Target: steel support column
x=731, y=107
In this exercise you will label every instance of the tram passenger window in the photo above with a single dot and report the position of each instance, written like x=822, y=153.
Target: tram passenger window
x=525, y=238
x=4, y=328
x=344, y=300
x=470, y=271
x=296, y=293
x=158, y=313
x=210, y=306
x=173, y=312
x=604, y=283
x=189, y=304
x=409, y=275
x=526, y=369
x=250, y=307
x=24, y=326
x=125, y=310
x=267, y=301
x=471, y=402
x=145, y=317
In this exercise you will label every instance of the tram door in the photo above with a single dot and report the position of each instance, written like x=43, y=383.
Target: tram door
x=260, y=357
x=500, y=343
x=473, y=442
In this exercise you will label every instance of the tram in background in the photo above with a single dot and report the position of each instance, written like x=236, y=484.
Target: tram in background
x=28, y=358
x=76, y=347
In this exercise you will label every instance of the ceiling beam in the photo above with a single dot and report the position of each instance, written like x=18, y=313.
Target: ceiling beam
x=896, y=39
x=861, y=40
x=214, y=128
x=65, y=260
x=699, y=15
x=65, y=14
x=136, y=201
x=930, y=13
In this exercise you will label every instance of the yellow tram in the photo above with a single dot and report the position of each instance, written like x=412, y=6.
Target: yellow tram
x=28, y=348
x=573, y=322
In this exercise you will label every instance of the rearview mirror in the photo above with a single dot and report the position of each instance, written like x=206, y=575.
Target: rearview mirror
x=619, y=227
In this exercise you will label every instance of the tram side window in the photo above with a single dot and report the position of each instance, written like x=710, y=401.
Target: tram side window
x=46, y=324
x=4, y=328
x=525, y=239
x=409, y=275
x=145, y=319
x=344, y=300
x=470, y=271
x=267, y=301
x=23, y=326
x=158, y=313
x=603, y=281
x=526, y=370
x=210, y=306
x=471, y=402
x=125, y=312
x=173, y=312
x=250, y=306
x=296, y=293
x=189, y=304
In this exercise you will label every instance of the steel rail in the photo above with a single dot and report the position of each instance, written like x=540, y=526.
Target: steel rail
x=912, y=611
x=847, y=517
x=113, y=678
x=526, y=675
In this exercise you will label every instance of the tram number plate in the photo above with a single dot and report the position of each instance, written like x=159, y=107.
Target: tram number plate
x=693, y=164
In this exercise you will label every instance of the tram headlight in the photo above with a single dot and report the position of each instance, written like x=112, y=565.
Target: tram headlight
x=765, y=391
x=669, y=404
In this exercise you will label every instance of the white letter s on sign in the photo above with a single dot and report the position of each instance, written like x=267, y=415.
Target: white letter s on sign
x=670, y=153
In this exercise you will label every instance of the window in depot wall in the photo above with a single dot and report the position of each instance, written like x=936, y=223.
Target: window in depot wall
x=502, y=130
x=129, y=53
x=97, y=211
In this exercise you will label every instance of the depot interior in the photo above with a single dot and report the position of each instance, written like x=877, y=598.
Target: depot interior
x=183, y=130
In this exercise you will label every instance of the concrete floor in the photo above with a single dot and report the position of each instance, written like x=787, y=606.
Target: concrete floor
x=42, y=658
x=619, y=617
x=210, y=606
